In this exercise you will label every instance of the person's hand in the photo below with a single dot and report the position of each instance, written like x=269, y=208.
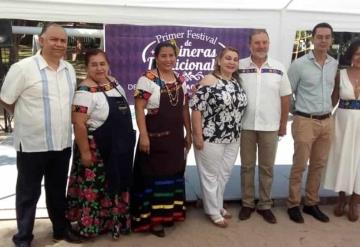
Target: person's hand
x=86, y=159
x=188, y=142
x=198, y=142
x=282, y=130
x=144, y=144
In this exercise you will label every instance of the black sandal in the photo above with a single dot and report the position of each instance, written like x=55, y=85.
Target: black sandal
x=158, y=231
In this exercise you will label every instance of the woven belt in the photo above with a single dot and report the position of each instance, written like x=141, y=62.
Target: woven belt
x=318, y=117
x=349, y=104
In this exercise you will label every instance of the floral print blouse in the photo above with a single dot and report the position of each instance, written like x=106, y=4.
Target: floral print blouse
x=222, y=107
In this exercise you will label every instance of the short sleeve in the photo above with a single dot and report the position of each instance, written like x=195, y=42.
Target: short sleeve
x=186, y=95
x=182, y=80
x=199, y=99
x=184, y=87
x=285, y=86
x=13, y=85
x=83, y=102
x=143, y=88
x=293, y=76
x=121, y=90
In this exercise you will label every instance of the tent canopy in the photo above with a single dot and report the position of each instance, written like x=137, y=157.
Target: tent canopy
x=281, y=18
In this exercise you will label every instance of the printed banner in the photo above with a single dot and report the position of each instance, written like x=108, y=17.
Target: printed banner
x=130, y=49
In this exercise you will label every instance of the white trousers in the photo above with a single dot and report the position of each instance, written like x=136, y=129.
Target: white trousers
x=214, y=163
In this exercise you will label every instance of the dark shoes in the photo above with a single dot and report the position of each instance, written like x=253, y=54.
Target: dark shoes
x=316, y=213
x=267, y=215
x=295, y=215
x=339, y=209
x=353, y=214
x=23, y=245
x=245, y=213
x=168, y=224
x=68, y=236
x=158, y=231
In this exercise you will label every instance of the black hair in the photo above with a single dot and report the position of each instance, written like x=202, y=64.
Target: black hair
x=322, y=25
x=158, y=48
x=354, y=46
x=93, y=52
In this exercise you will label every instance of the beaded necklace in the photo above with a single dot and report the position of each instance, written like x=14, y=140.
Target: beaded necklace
x=173, y=97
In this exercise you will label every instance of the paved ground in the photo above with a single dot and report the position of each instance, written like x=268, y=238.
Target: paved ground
x=198, y=231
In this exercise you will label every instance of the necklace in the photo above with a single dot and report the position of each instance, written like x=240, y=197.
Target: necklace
x=173, y=97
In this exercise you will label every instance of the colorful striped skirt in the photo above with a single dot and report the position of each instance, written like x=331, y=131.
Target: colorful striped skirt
x=159, y=201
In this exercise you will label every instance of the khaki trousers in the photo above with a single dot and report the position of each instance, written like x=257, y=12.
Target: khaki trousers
x=266, y=143
x=312, y=139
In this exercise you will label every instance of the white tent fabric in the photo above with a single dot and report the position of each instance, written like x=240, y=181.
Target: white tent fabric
x=280, y=17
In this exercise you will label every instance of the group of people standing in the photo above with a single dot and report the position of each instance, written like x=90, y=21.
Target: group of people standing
x=243, y=104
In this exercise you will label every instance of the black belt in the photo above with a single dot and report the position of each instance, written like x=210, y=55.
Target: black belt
x=318, y=117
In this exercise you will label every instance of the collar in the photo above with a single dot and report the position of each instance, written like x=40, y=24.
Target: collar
x=43, y=64
x=250, y=63
x=311, y=56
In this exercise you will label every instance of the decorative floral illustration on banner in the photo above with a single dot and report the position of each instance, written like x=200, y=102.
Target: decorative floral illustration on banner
x=131, y=49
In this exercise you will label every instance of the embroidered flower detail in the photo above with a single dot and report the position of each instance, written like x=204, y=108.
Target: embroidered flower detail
x=86, y=211
x=141, y=94
x=104, y=212
x=73, y=192
x=89, y=194
x=181, y=78
x=106, y=203
x=79, y=108
x=92, y=143
x=89, y=175
x=73, y=214
x=86, y=220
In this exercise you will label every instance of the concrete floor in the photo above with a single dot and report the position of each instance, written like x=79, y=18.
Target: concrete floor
x=198, y=231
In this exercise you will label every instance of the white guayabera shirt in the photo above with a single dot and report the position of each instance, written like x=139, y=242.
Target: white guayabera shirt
x=43, y=99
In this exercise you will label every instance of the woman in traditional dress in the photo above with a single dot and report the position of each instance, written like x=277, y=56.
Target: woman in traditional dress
x=342, y=172
x=98, y=193
x=158, y=194
x=217, y=109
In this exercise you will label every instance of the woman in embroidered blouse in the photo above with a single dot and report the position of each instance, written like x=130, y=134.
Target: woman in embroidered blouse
x=158, y=193
x=342, y=172
x=98, y=193
x=217, y=109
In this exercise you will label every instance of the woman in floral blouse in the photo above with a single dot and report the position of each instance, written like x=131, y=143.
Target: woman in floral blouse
x=218, y=106
x=98, y=193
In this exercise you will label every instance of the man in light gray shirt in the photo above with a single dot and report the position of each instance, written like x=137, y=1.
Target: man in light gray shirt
x=312, y=79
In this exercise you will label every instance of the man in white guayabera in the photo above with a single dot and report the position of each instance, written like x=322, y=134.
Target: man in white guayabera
x=268, y=90
x=39, y=90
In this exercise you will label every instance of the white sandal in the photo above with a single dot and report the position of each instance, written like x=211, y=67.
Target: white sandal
x=219, y=222
x=224, y=213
